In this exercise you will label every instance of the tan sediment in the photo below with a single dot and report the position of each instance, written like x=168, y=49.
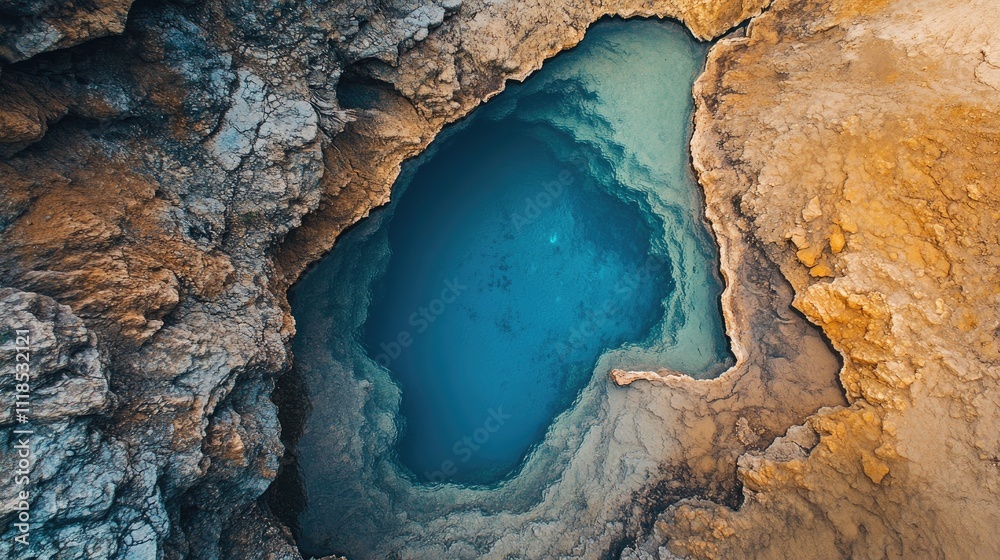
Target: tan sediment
x=623, y=378
x=883, y=115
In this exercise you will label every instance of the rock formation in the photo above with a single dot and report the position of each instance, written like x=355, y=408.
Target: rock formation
x=166, y=178
x=866, y=134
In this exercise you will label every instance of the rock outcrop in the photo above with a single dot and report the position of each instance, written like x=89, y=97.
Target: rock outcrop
x=165, y=178
x=865, y=134
x=35, y=27
x=147, y=178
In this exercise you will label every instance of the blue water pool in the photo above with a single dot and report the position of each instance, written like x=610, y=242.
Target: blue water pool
x=454, y=346
x=511, y=270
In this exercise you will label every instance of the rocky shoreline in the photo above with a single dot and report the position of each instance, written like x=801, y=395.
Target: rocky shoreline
x=163, y=186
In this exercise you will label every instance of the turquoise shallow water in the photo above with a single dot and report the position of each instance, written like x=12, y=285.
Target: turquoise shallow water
x=455, y=345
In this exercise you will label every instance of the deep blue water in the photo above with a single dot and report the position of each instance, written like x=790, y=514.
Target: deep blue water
x=455, y=345
x=511, y=272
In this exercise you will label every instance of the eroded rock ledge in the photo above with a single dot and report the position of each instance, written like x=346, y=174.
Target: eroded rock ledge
x=164, y=187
